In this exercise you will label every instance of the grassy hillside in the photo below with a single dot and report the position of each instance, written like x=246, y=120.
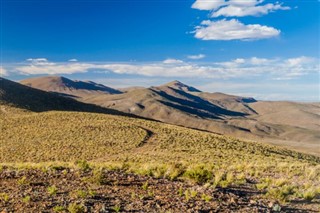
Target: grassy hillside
x=156, y=149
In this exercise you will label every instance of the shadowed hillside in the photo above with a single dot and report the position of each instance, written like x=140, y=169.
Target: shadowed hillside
x=27, y=98
x=69, y=87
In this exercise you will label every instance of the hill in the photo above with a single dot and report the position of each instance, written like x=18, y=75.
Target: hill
x=15, y=96
x=66, y=86
x=84, y=148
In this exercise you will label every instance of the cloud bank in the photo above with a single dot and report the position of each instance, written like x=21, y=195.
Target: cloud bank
x=237, y=68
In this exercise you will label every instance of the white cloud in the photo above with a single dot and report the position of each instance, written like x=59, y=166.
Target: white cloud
x=233, y=30
x=43, y=66
x=237, y=8
x=73, y=60
x=260, y=61
x=237, y=68
x=3, y=71
x=196, y=57
x=299, y=61
x=172, y=61
x=208, y=4
x=240, y=11
x=39, y=61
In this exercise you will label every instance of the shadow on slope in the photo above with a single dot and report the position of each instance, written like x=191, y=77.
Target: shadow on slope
x=195, y=105
x=24, y=97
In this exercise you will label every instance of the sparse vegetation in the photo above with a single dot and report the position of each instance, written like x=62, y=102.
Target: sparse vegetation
x=52, y=190
x=59, y=209
x=4, y=197
x=206, y=198
x=145, y=186
x=56, y=140
x=26, y=199
x=75, y=208
x=23, y=181
x=116, y=208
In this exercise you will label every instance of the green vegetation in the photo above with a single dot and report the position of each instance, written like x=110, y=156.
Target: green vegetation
x=4, y=197
x=52, y=190
x=23, y=181
x=116, y=208
x=59, y=209
x=75, y=208
x=206, y=198
x=145, y=186
x=26, y=199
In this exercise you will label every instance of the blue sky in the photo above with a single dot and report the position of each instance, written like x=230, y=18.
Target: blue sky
x=265, y=49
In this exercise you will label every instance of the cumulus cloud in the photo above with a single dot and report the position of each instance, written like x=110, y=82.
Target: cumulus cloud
x=237, y=68
x=238, y=8
x=3, y=71
x=233, y=30
x=196, y=57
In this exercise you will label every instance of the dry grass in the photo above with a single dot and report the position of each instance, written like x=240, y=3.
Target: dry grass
x=155, y=149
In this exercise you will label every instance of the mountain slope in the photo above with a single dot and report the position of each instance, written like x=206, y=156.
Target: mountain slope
x=22, y=97
x=66, y=86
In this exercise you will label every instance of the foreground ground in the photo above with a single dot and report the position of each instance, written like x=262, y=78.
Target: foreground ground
x=60, y=189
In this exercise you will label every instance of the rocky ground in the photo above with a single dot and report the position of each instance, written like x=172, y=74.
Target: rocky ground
x=72, y=190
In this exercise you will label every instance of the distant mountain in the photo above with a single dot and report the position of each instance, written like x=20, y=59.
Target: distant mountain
x=68, y=87
x=15, y=95
x=180, y=86
x=295, y=125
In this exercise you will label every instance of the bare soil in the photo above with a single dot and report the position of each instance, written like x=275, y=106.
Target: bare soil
x=119, y=191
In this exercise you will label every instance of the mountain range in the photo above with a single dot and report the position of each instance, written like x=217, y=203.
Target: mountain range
x=290, y=124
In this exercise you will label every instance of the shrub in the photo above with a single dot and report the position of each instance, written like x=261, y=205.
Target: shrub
x=310, y=194
x=75, y=208
x=116, y=208
x=52, y=190
x=59, y=209
x=26, y=199
x=4, y=197
x=198, y=174
x=83, y=165
x=23, y=181
x=206, y=198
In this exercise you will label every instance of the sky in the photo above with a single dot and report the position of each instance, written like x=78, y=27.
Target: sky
x=264, y=49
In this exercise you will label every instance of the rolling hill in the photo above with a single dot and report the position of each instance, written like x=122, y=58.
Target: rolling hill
x=289, y=124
